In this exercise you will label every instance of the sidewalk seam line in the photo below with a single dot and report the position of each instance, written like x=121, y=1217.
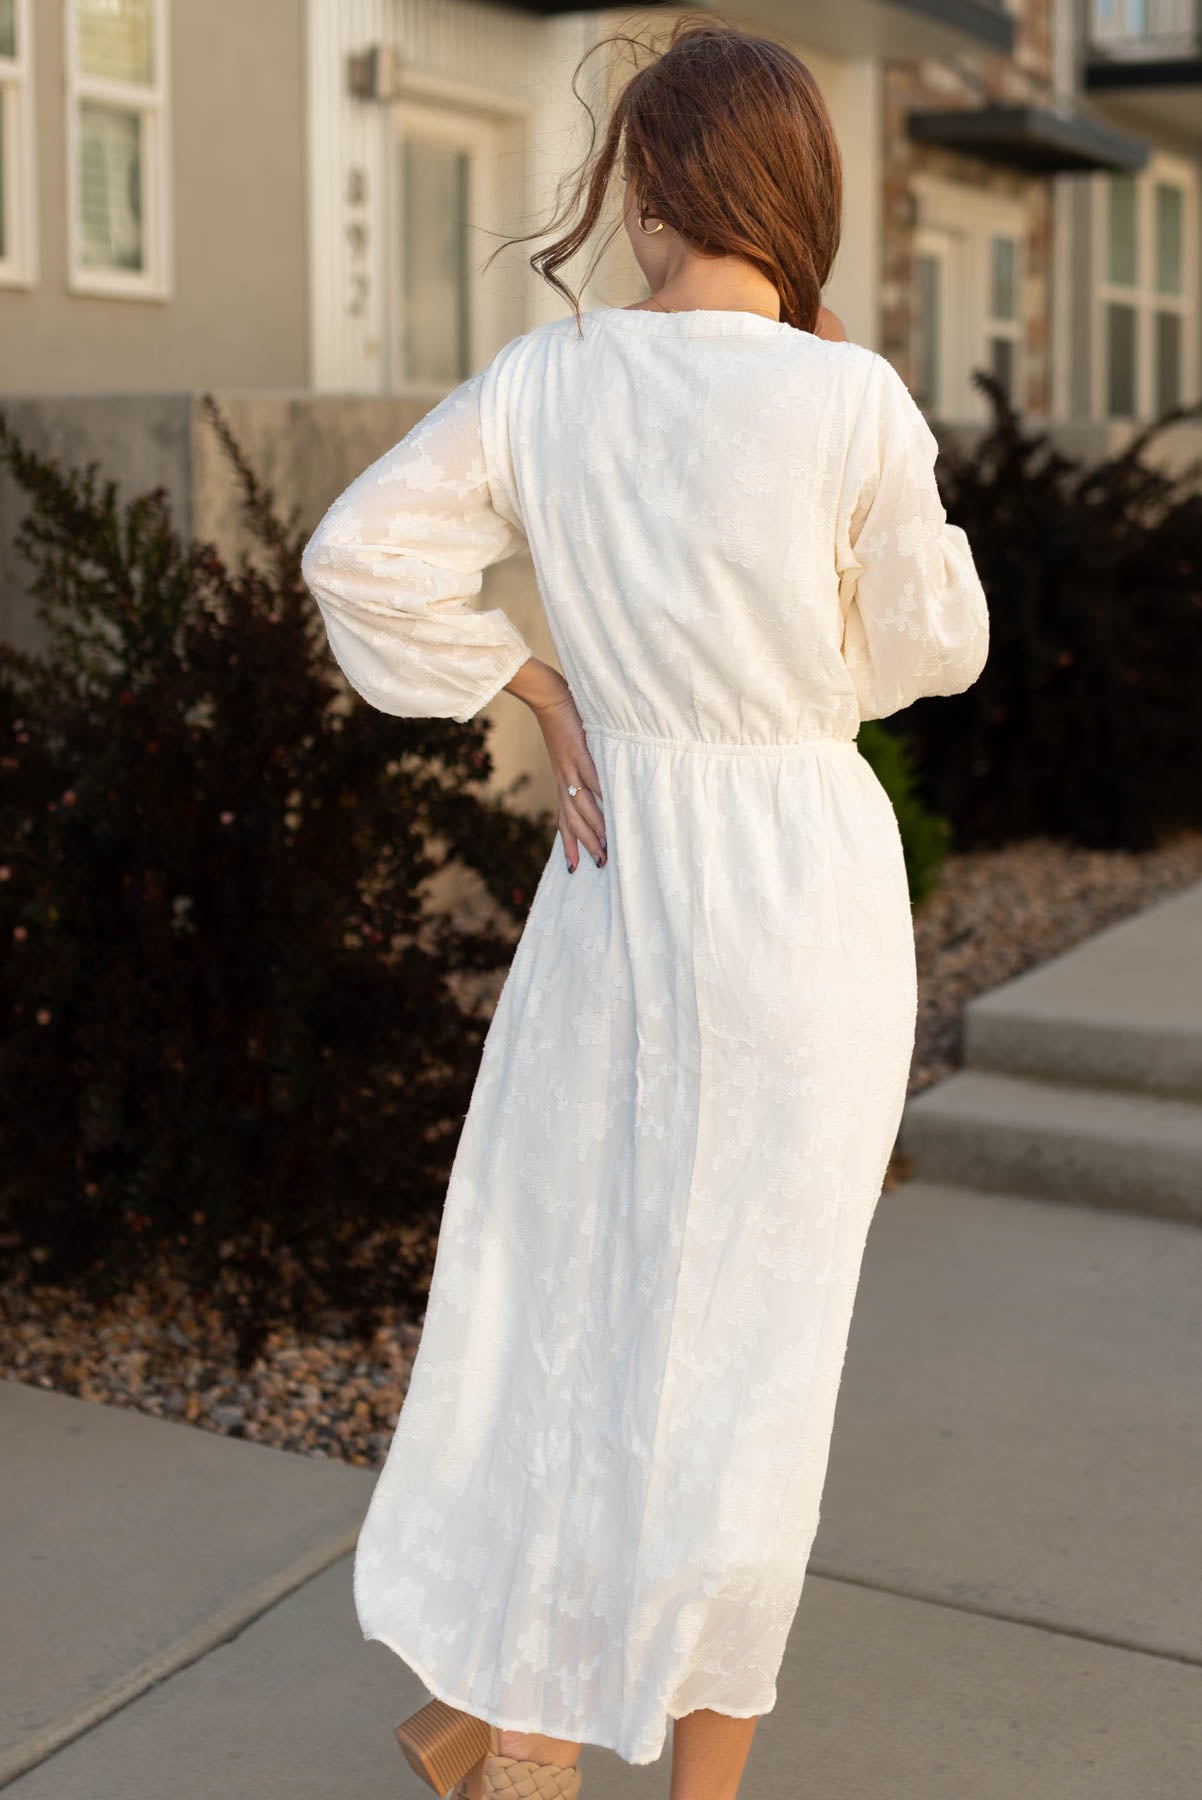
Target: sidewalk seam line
x=228, y=1622
x=924, y=1598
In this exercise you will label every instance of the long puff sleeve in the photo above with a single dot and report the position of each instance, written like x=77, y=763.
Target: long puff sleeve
x=398, y=557
x=915, y=615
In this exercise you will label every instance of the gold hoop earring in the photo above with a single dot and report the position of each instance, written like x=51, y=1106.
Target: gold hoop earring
x=650, y=229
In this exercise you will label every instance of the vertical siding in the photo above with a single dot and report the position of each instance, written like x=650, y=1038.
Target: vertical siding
x=502, y=59
x=344, y=135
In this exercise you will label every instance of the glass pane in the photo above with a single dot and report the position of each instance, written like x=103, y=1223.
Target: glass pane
x=435, y=286
x=1002, y=284
x=1170, y=238
x=927, y=285
x=1121, y=265
x=116, y=39
x=1120, y=362
x=8, y=27
x=1001, y=361
x=1168, y=361
x=110, y=187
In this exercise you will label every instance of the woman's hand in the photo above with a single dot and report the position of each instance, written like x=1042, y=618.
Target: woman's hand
x=549, y=698
x=581, y=820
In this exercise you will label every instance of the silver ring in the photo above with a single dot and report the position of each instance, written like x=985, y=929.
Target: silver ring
x=573, y=791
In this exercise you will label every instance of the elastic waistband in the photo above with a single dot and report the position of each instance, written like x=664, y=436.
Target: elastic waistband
x=713, y=746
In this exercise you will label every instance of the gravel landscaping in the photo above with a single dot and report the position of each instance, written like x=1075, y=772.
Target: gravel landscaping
x=163, y=1351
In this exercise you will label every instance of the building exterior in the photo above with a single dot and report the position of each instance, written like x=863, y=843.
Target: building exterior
x=291, y=203
x=299, y=194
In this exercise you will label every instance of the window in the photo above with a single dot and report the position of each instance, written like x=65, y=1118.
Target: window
x=434, y=200
x=1002, y=325
x=118, y=153
x=1148, y=298
x=17, y=259
x=446, y=186
x=967, y=310
x=930, y=280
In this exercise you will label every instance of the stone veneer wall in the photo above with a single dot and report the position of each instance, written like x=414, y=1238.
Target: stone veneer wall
x=969, y=81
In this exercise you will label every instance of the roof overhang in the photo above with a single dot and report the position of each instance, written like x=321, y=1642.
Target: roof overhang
x=1034, y=139
x=891, y=28
x=1151, y=93
x=1105, y=74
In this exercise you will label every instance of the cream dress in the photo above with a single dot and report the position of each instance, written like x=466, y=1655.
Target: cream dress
x=600, y=1498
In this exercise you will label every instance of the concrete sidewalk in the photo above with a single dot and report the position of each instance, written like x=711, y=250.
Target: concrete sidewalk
x=1004, y=1597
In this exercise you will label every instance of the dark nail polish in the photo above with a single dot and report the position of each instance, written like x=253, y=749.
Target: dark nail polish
x=597, y=860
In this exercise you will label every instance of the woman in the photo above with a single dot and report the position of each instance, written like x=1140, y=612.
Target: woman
x=600, y=1499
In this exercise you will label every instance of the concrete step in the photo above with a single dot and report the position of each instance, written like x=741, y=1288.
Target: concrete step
x=1002, y=1133
x=1122, y=1010
x=1113, y=1052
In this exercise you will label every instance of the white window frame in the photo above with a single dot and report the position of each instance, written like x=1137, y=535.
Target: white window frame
x=970, y=219
x=152, y=104
x=1144, y=296
x=19, y=264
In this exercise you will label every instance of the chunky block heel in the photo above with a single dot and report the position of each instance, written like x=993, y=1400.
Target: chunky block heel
x=443, y=1745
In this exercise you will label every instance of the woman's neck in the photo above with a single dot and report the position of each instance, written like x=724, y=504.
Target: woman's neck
x=717, y=284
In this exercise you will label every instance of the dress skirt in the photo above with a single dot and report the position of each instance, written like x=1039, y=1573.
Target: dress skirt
x=600, y=1499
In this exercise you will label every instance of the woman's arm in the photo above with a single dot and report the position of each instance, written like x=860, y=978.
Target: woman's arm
x=393, y=567
x=397, y=559
x=915, y=616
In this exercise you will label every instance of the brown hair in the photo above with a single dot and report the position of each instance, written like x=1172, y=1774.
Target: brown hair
x=728, y=140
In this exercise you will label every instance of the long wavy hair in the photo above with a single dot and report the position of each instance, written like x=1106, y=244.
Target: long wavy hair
x=728, y=140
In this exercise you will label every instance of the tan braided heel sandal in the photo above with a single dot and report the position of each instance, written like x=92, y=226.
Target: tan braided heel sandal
x=512, y=1778
x=445, y=1747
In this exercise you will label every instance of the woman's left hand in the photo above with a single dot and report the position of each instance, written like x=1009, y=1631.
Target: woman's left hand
x=549, y=698
x=581, y=820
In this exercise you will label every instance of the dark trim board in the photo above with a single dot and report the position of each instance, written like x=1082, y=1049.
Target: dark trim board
x=1114, y=73
x=1032, y=138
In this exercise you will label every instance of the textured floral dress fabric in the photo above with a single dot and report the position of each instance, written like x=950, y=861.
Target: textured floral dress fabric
x=602, y=1491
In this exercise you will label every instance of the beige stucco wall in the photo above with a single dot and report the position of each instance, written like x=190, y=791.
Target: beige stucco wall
x=237, y=315
x=307, y=447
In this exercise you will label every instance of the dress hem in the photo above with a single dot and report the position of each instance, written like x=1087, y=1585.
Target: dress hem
x=589, y=1736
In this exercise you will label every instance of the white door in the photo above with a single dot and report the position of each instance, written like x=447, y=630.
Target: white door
x=442, y=305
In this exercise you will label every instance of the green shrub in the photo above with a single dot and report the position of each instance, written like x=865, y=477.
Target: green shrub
x=926, y=838
x=1084, y=724
x=236, y=1029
